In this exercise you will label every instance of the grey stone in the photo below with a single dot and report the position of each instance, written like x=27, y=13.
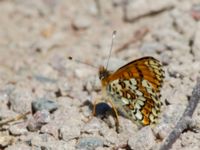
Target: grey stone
x=162, y=130
x=195, y=11
x=51, y=129
x=64, y=87
x=89, y=143
x=143, y=140
x=42, y=140
x=38, y=120
x=44, y=79
x=81, y=22
x=172, y=115
x=3, y=97
x=109, y=135
x=69, y=131
x=93, y=126
x=44, y=104
x=20, y=100
x=54, y=145
x=18, y=129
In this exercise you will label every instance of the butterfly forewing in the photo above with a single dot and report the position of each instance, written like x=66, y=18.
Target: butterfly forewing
x=147, y=67
x=135, y=89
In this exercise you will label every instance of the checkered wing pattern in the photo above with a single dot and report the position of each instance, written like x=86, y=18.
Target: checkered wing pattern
x=135, y=89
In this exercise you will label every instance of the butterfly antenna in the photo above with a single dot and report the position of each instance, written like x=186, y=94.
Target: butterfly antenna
x=113, y=36
x=78, y=61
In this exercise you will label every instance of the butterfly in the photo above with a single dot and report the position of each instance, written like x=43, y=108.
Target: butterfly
x=134, y=90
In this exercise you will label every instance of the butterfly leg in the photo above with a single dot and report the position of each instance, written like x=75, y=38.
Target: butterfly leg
x=97, y=100
x=116, y=113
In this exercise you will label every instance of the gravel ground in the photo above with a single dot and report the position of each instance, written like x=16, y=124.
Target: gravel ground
x=36, y=38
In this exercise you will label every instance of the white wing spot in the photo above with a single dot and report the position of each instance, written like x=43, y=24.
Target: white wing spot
x=141, y=103
x=133, y=81
x=138, y=115
x=125, y=101
x=145, y=83
x=138, y=93
x=152, y=118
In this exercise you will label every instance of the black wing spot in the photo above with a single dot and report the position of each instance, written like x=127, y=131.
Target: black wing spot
x=123, y=85
x=109, y=87
x=139, y=71
x=130, y=74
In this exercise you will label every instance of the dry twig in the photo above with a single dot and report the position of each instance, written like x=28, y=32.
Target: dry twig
x=185, y=121
x=6, y=121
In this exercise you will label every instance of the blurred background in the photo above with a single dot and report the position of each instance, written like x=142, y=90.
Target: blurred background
x=37, y=37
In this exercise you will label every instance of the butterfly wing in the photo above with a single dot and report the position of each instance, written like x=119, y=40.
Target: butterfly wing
x=147, y=68
x=135, y=89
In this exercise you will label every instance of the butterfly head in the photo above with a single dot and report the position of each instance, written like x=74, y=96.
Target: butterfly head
x=103, y=73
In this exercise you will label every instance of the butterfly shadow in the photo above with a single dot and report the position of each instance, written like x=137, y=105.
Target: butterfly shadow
x=101, y=108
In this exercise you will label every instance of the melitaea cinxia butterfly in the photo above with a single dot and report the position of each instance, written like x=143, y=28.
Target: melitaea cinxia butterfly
x=134, y=89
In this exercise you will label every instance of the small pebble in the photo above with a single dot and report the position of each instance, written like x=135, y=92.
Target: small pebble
x=41, y=140
x=195, y=11
x=64, y=87
x=171, y=116
x=44, y=79
x=93, y=126
x=81, y=22
x=20, y=100
x=162, y=130
x=70, y=131
x=89, y=143
x=5, y=139
x=51, y=129
x=18, y=129
x=3, y=97
x=143, y=140
x=44, y=104
x=38, y=120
